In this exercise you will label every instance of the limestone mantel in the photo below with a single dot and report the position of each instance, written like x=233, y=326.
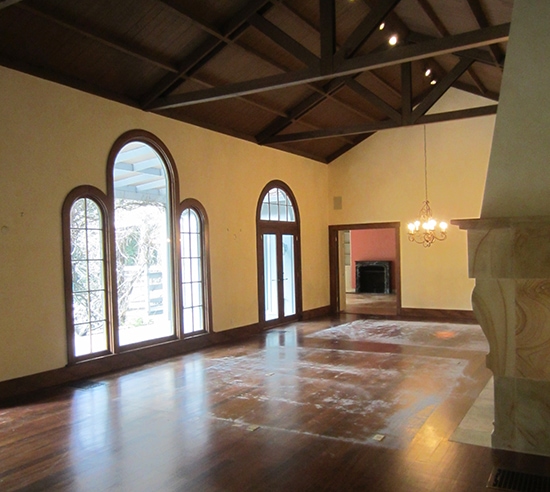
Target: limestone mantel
x=509, y=257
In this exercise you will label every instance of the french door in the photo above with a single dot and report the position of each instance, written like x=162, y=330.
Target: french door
x=279, y=276
x=278, y=233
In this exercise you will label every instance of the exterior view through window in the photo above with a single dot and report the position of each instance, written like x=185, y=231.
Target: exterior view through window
x=279, y=232
x=143, y=247
x=135, y=270
x=88, y=278
x=192, y=271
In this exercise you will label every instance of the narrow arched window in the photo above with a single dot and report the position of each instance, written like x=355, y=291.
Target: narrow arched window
x=194, y=268
x=86, y=274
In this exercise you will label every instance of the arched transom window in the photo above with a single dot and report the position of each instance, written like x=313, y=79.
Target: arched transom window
x=277, y=206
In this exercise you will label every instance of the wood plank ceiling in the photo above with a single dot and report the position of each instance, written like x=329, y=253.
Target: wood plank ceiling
x=310, y=77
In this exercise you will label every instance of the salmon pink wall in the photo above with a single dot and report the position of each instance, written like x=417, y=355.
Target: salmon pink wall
x=372, y=245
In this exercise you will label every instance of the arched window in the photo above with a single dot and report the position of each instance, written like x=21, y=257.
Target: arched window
x=277, y=206
x=279, y=270
x=194, y=268
x=144, y=239
x=136, y=271
x=86, y=274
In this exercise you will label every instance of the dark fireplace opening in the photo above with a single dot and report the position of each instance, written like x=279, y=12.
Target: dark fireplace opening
x=373, y=277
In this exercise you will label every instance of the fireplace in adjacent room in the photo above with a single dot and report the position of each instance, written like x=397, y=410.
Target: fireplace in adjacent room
x=373, y=277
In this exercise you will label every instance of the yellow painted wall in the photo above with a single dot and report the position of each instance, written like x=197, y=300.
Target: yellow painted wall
x=382, y=180
x=53, y=139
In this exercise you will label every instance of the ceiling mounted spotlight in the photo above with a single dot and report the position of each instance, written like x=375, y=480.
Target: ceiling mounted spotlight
x=393, y=40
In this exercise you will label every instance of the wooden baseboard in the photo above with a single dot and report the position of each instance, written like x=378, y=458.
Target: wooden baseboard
x=125, y=360
x=444, y=315
x=316, y=313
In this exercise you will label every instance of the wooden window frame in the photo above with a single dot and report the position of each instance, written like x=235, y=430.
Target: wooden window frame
x=100, y=199
x=106, y=203
x=280, y=227
x=196, y=206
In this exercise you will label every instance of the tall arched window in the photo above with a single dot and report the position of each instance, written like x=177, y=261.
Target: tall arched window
x=144, y=235
x=135, y=261
x=278, y=243
x=86, y=274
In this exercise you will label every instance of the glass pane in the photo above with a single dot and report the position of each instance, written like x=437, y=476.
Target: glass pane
x=78, y=244
x=88, y=278
x=93, y=215
x=188, y=320
x=195, y=270
x=197, y=293
x=198, y=317
x=270, y=277
x=191, y=241
x=95, y=244
x=80, y=276
x=264, y=210
x=95, y=275
x=143, y=246
x=187, y=295
x=289, y=291
x=195, y=250
x=78, y=214
x=273, y=211
x=81, y=308
x=277, y=206
x=186, y=270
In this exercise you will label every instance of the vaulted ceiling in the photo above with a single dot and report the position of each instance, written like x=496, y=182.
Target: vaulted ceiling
x=309, y=77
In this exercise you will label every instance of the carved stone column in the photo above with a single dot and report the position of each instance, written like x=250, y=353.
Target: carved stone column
x=510, y=261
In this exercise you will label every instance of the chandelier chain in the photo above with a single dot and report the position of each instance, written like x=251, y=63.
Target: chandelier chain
x=425, y=165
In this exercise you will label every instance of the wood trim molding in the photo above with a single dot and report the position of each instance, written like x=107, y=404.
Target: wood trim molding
x=444, y=315
x=117, y=362
x=316, y=313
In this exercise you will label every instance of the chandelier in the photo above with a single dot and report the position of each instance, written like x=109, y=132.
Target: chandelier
x=425, y=230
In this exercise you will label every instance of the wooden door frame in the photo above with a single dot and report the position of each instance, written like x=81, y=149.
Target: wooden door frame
x=334, y=264
x=278, y=227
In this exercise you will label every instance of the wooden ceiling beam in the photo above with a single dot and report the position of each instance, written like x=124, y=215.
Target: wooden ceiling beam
x=381, y=125
x=440, y=88
x=482, y=21
x=8, y=3
x=327, y=15
x=476, y=54
x=104, y=38
x=205, y=51
x=406, y=93
x=285, y=41
x=438, y=23
x=372, y=98
x=390, y=57
x=428, y=49
x=365, y=29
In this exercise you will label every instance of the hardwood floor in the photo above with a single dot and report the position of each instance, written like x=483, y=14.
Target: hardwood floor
x=288, y=410
x=371, y=304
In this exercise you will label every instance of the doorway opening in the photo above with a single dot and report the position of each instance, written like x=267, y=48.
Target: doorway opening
x=365, y=273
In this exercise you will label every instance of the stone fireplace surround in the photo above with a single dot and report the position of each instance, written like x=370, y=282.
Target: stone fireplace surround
x=510, y=260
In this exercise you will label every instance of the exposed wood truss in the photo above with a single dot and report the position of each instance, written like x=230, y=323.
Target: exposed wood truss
x=313, y=77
